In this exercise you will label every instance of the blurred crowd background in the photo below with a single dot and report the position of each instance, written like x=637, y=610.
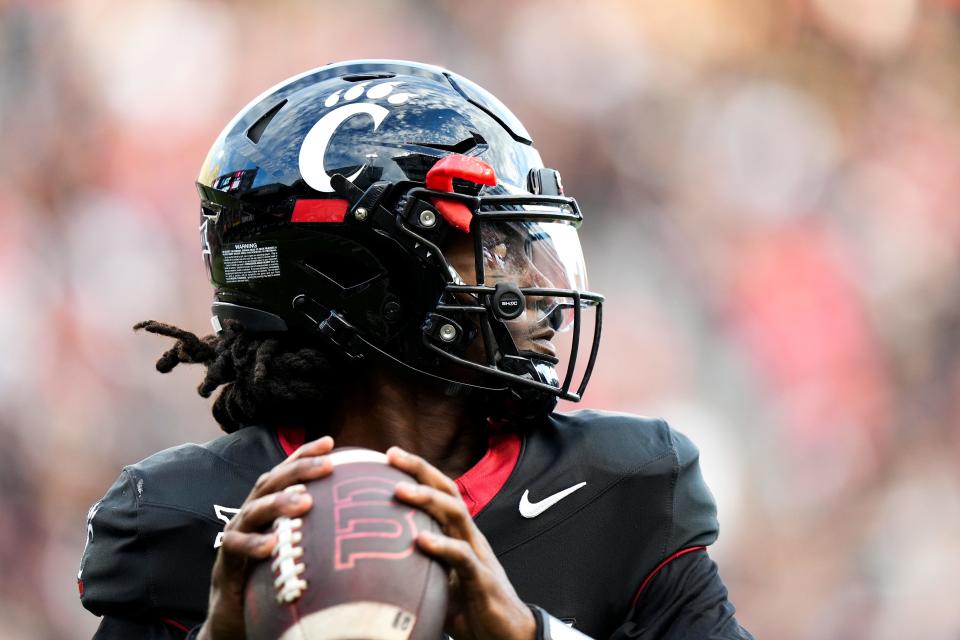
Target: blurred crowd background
x=771, y=193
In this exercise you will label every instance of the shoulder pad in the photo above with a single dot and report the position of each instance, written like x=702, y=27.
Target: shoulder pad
x=633, y=469
x=112, y=577
x=154, y=533
x=620, y=443
x=647, y=449
x=194, y=476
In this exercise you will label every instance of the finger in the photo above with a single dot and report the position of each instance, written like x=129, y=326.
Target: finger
x=317, y=447
x=255, y=514
x=448, y=510
x=236, y=549
x=291, y=472
x=457, y=554
x=257, y=546
x=423, y=471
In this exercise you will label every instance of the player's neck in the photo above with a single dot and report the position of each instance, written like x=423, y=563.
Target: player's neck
x=387, y=411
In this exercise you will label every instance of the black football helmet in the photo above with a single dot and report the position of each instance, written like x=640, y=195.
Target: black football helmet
x=400, y=212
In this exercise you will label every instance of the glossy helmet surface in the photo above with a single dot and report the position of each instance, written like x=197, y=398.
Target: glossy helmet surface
x=328, y=205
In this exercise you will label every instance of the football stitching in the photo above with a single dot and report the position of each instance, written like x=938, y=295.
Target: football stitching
x=288, y=583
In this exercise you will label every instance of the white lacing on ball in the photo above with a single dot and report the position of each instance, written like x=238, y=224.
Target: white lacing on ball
x=288, y=583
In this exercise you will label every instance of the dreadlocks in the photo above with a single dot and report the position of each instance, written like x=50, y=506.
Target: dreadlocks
x=269, y=379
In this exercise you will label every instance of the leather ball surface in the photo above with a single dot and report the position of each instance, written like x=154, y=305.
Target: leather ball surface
x=349, y=569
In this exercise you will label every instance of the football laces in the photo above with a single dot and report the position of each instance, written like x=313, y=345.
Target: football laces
x=286, y=556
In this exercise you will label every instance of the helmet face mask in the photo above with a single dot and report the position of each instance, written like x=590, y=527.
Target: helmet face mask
x=401, y=213
x=524, y=278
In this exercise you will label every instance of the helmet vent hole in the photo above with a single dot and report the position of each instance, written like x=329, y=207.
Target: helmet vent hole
x=358, y=77
x=463, y=146
x=257, y=128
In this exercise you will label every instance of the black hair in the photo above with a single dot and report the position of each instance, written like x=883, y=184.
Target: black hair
x=274, y=379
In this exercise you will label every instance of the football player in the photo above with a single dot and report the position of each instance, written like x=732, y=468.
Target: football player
x=395, y=268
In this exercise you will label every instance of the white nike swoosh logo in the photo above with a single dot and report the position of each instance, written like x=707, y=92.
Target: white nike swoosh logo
x=533, y=509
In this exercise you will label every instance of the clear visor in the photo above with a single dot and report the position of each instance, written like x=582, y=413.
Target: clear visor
x=556, y=329
x=535, y=255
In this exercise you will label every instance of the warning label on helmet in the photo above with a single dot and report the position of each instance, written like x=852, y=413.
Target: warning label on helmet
x=247, y=261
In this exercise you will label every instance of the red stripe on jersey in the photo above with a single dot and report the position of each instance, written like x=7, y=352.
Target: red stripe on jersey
x=478, y=485
x=291, y=438
x=319, y=211
x=484, y=480
x=643, y=586
x=80, y=587
x=176, y=625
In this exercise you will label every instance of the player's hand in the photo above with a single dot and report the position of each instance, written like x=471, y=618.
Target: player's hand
x=278, y=492
x=483, y=603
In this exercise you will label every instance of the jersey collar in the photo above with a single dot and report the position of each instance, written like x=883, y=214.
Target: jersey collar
x=478, y=485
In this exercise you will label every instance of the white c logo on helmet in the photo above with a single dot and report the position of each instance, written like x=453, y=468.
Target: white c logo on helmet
x=315, y=143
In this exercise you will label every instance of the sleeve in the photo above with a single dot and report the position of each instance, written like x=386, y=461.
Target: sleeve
x=114, y=628
x=685, y=599
x=683, y=596
x=693, y=513
x=114, y=578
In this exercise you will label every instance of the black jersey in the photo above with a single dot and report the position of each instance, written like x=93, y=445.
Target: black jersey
x=601, y=519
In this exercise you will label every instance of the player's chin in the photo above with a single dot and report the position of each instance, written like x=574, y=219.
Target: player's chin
x=540, y=347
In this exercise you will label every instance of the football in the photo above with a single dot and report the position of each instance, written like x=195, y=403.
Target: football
x=349, y=569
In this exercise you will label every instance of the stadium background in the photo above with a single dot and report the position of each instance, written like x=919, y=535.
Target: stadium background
x=771, y=190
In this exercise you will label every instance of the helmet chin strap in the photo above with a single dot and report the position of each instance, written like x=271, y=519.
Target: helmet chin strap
x=527, y=403
x=496, y=402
